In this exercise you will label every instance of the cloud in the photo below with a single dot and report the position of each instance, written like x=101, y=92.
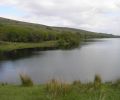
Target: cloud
x=93, y=15
x=7, y=2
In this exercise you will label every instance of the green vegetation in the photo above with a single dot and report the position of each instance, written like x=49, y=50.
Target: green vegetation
x=68, y=40
x=10, y=46
x=15, y=31
x=26, y=80
x=97, y=81
x=56, y=90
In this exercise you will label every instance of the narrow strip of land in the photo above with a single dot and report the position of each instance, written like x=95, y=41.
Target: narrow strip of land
x=9, y=46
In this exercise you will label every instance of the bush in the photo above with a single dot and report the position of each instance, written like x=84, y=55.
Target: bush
x=68, y=40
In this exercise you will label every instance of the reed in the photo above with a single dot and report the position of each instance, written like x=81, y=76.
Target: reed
x=26, y=80
x=97, y=81
x=117, y=83
x=57, y=88
x=76, y=82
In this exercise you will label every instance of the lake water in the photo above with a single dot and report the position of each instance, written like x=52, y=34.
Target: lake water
x=99, y=57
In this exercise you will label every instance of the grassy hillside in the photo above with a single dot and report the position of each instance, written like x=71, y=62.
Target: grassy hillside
x=16, y=31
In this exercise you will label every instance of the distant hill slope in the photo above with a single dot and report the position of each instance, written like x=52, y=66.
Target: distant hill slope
x=5, y=21
x=17, y=31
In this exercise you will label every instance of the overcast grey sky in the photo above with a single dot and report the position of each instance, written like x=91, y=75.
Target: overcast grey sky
x=93, y=15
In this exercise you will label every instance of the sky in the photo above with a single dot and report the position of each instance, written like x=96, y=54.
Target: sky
x=93, y=15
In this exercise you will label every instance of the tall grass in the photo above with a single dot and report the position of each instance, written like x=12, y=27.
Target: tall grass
x=57, y=88
x=97, y=81
x=77, y=82
x=26, y=80
x=117, y=83
x=3, y=84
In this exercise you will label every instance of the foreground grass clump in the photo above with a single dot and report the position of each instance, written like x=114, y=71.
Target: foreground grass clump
x=77, y=82
x=57, y=88
x=97, y=81
x=26, y=80
x=117, y=83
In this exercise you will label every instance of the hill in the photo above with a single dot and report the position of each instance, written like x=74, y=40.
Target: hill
x=13, y=32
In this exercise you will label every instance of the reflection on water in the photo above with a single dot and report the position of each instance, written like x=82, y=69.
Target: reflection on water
x=98, y=57
x=21, y=53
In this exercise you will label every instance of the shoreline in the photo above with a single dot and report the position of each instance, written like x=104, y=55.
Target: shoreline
x=61, y=91
x=11, y=46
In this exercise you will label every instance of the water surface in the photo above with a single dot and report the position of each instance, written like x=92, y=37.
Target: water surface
x=99, y=57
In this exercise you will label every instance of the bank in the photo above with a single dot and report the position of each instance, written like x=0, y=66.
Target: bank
x=11, y=46
x=107, y=91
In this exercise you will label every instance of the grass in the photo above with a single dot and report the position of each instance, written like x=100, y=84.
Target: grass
x=107, y=92
x=97, y=81
x=77, y=82
x=26, y=80
x=57, y=90
x=9, y=46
